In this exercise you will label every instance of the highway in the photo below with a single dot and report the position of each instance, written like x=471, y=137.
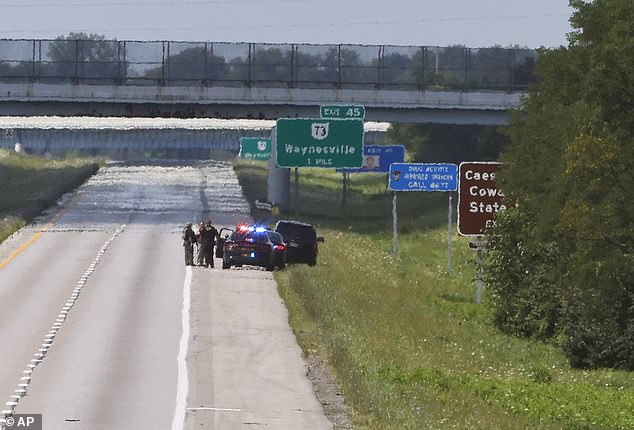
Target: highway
x=103, y=327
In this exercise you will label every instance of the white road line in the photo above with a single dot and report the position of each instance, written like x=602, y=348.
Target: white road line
x=183, y=380
x=215, y=409
x=48, y=342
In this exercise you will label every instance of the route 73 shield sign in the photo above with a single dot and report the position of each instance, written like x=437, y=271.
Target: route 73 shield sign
x=319, y=131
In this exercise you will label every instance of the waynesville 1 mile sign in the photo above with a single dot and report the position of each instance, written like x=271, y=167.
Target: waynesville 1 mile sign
x=319, y=142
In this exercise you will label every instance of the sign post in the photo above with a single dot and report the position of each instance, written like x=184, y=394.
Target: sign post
x=376, y=159
x=394, y=225
x=423, y=177
x=479, y=200
x=344, y=191
x=296, y=192
x=479, y=279
x=449, y=234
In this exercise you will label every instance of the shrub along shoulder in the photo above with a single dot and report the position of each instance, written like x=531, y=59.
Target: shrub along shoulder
x=30, y=184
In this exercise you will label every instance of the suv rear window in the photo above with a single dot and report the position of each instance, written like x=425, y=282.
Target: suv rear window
x=276, y=238
x=297, y=231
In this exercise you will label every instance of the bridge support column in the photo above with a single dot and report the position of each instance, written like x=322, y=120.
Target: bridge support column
x=279, y=179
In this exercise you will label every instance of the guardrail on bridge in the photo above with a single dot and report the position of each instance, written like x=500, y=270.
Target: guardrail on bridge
x=167, y=63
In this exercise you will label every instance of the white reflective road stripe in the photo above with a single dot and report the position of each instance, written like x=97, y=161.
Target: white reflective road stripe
x=182, y=387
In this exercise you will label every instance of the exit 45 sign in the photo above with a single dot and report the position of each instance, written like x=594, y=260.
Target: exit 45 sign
x=342, y=111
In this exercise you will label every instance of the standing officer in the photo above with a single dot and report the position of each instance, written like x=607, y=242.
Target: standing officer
x=210, y=240
x=201, y=237
x=189, y=238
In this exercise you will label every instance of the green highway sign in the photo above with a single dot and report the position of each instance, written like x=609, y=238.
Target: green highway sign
x=342, y=111
x=319, y=142
x=255, y=148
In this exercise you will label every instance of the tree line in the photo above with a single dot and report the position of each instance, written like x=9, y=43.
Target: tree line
x=90, y=56
x=561, y=261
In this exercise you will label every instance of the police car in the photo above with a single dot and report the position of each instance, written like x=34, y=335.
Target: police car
x=254, y=246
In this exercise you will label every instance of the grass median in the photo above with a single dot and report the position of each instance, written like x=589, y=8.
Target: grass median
x=410, y=345
x=30, y=184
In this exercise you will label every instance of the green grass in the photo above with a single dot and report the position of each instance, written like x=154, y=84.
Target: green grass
x=409, y=344
x=30, y=184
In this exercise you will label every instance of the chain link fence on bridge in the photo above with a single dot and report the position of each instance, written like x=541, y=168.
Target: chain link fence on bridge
x=165, y=63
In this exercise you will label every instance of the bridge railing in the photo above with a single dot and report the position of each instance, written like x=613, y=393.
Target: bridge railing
x=166, y=63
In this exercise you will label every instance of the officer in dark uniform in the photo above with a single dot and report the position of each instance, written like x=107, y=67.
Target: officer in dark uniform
x=210, y=235
x=201, y=239
x=189, y=238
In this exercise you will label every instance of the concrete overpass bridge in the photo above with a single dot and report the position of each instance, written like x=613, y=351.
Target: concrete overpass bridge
x=140, y=136
x=454, y=85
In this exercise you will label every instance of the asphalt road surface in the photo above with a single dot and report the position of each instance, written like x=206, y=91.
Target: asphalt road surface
x=103, y=327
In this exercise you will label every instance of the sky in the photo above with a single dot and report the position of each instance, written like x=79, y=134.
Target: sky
x=472, y=23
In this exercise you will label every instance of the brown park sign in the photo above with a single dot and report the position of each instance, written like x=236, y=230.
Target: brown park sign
x=479, y=199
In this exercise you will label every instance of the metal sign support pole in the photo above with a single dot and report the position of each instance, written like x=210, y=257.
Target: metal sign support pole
x=296, y=191
x=450, y=236
x=479, y=270
x=394, y=225
x=344, y=191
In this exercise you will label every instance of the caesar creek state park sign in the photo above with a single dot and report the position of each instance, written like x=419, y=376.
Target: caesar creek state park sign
x=479, y=198
x=318, y=142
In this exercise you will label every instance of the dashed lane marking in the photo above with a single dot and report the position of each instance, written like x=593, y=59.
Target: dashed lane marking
x=48, y=339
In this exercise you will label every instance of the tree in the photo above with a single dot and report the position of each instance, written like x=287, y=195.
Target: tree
x=443, y=143
x=562, y=259
x=401, y=69
x=272, y=65
x=192, y=64
x=81, y=55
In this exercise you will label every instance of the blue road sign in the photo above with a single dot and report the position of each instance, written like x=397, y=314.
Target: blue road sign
x=423, y=177
x=377, y=158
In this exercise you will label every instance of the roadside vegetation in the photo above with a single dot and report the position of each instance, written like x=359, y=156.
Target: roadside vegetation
x=30, y=184
x=562, y=257
x=409, y=344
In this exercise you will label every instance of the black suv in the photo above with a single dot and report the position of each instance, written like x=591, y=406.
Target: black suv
x=301, y=241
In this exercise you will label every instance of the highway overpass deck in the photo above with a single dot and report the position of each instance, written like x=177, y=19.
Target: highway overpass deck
x=455, y=85
x=52, y=134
